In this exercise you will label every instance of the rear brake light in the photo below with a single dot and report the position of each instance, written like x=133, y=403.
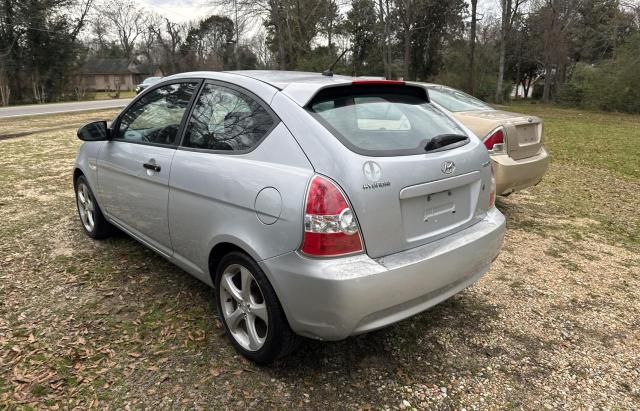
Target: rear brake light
x=330, y=228
x=377, y=83
x=497, y=137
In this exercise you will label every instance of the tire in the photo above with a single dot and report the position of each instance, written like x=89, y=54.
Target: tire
x=91, y=217
x=243, y=313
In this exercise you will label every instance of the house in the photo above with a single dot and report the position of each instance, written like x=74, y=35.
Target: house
x=115, y=74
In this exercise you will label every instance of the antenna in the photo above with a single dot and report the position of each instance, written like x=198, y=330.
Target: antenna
x=329, y=71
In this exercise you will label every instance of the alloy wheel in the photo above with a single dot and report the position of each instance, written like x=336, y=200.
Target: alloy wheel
x=86, y=206
x=243, y=307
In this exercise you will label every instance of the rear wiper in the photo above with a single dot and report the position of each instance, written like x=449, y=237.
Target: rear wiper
x=441, y=141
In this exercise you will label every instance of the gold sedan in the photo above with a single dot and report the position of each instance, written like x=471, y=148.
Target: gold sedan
x=514, y=140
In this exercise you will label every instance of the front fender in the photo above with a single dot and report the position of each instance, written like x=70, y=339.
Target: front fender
x=87, y=164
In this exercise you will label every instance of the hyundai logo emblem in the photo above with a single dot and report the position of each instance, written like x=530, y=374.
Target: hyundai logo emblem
x=448, y=167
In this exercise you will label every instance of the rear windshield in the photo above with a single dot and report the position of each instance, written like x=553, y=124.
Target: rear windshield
x=382, y=121
x=456, y=100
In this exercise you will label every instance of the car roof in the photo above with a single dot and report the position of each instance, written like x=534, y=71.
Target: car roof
x=297, y=85
x=283, y=79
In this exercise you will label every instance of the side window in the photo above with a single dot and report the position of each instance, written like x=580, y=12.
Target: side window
x=225, y=119
x=156, y=117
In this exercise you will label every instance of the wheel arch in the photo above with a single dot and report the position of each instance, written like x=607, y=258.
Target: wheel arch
x=77, y=172
x=224, y=246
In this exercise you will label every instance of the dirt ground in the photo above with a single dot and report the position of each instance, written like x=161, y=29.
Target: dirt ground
x=554, y=324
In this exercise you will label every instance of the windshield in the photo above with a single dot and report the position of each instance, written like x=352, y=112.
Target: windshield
x=149, y=80
x=455, y=100
x=384, y=122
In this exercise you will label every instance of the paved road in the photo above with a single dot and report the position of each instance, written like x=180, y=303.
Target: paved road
x=40, y=109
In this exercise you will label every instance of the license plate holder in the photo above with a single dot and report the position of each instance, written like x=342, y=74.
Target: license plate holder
x=439, y=205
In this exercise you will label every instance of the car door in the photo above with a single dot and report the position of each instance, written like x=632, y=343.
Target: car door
x=238, y=176
x=135, y=164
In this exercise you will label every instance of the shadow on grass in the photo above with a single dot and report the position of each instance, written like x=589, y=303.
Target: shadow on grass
x=464, y=315
x=457, y=336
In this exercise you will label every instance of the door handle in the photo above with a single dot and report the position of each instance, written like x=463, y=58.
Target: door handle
x=152, y=167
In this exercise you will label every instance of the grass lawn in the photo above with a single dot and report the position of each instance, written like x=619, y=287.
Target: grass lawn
x=555, y=323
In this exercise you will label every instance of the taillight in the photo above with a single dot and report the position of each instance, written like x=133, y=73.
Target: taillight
x=492, y=193
x=497, y=137
x=330, y=228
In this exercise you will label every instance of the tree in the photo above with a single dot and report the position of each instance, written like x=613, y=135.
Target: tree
x=406, y=10
x=509, y=12
x=555, y=18
x=127, y=21
x=362, y=27
x=209, y=44
x=148, y=39
x=170, y=41
x=472, y=46
x=39, y=45
x=437, y=23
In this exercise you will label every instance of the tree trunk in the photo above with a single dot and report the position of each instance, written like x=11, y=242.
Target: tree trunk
x=277, y=21
x=387, y=29
x=526, y=85
x=235, y=49
x=546, y=91
x=498, y=96
x=472, y=56
x=517, y=79
x=383, y=22
x=506, y=6
x=407, y=52
x=5, y=94
x=407, y=18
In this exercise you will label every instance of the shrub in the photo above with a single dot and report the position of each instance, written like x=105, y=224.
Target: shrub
x=612, y=85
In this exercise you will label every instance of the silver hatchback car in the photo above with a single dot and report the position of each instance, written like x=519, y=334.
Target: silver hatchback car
x=317, y=206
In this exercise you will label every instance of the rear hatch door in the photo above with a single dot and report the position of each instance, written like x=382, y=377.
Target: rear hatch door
x=411, y=173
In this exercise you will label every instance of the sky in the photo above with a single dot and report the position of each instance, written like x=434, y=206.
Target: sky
x=185, y=10
x=180, y=10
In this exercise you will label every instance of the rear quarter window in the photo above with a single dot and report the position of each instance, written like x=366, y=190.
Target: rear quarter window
x=381, y=121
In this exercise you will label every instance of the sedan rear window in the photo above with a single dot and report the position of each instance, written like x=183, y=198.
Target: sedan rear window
x=384, y=121
x=456, y=101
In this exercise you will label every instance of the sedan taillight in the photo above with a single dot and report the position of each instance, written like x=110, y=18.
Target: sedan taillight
x=330, y=227
x=496, y=137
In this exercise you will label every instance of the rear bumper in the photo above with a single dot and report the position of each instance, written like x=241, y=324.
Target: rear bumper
x=331, y=299
x=513, y=175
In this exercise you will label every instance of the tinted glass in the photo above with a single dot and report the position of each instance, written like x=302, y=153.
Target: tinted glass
x=455, y=100
x=156, y=117
x=225, y=119
x=393, y=124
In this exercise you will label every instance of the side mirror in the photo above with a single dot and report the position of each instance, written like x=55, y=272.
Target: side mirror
x=96, y=131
